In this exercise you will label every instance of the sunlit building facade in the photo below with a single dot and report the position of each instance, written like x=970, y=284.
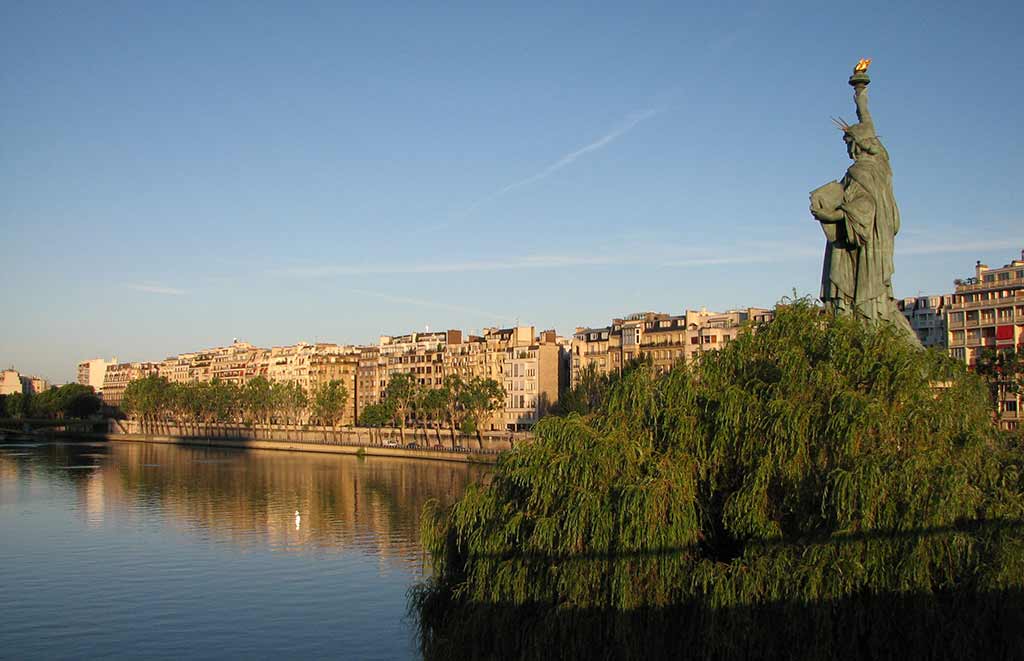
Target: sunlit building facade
x=987, y=312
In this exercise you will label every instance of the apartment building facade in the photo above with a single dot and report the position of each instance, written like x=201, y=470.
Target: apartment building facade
x=92, y=371
x=927, y=317
x=343, y=366
x=117, y=377
x=532, y=368
x=14, y=382
x=662, y=338
x=10, y=382
x=987, y=312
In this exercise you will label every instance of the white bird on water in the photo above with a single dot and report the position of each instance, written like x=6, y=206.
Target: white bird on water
x=298, y=520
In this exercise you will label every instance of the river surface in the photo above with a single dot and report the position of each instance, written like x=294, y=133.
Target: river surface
x=161, y=551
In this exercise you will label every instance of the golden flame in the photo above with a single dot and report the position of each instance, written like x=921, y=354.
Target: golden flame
x=863, y=65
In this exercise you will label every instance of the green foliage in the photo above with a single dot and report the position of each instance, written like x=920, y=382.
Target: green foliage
x=71, y=400
x=17, y=405
x=375, y=415
x=593, y=387
x=432, y=404
x=289, y=401
x=452, y=388
x=816, y=462
x=480, y=399
x=400, y=396
x=258, y=400
x=1003, y=371
x=80, y=403
x=148, y=397
x=329, y=401
x=44, y=404
x=154, y=397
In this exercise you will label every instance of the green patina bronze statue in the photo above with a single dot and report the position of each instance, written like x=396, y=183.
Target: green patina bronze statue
x=860, y=220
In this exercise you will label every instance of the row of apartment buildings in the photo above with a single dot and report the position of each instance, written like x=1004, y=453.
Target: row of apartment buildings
x=663, y=339
x=534, y=368
x=14, y=382
x=985, y=311
x=531, y=368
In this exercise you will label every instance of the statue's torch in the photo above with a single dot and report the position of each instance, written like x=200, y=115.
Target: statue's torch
x=859, y=80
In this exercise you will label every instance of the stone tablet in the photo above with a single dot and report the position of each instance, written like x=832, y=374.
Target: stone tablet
x=828, y=198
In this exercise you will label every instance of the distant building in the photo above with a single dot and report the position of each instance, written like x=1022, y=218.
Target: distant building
x=341, y=365
x=10, y=382
x=531, y=367
x=34, y=385
x=119, y=375
x=662, y=338
x=927, y=316
x=13, y=382
x=91, y=372
x=987, y=312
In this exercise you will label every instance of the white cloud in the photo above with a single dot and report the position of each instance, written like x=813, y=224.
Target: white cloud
x=651, y=255
x=516, y=263
x=153, y=288
x=934, y=248
x=405, y=300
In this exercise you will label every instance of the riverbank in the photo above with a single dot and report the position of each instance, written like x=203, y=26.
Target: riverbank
x=324, y=447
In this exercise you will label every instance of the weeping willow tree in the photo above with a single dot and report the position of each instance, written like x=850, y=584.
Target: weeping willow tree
x=814, y=489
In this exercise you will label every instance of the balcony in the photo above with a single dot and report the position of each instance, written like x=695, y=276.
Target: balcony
x=968, y=286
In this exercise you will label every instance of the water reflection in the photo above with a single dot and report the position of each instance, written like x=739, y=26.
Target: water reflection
x=162, y=551
x=288, y=502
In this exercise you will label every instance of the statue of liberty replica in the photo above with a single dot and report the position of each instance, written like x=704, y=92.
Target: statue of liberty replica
x=860, y=220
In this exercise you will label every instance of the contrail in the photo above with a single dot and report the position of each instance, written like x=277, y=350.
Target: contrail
x=631, y=122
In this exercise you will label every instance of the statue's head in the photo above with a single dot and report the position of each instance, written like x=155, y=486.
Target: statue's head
x=851, y=147
x=860, y=139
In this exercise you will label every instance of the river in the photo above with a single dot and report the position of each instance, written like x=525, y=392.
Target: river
x=165, y=551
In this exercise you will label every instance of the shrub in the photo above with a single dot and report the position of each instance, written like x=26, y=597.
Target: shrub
x=815, y=488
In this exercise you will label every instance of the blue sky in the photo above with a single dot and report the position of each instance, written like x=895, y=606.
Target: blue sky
x=174, y=175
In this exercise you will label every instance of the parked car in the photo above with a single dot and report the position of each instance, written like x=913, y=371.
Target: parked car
x=413, y=446
x=391, y=443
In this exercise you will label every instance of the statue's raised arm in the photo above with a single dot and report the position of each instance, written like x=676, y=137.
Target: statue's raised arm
x=859, y=80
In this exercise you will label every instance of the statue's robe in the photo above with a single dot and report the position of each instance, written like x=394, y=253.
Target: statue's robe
x=858, y=265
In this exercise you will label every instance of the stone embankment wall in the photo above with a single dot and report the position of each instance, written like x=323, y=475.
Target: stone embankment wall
x=346, y=436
